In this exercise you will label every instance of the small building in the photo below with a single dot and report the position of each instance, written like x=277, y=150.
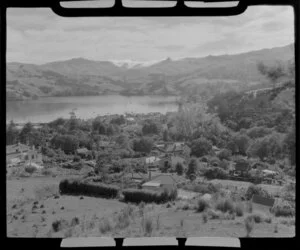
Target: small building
x=242, y=167
x=160, y=183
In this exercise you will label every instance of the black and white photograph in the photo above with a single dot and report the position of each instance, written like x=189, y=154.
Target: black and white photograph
x=150, y=126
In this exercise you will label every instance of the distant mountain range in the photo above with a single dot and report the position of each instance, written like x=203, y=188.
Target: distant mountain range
x=80, y=76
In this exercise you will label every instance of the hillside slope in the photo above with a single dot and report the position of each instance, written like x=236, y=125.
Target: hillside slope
x=80, y=76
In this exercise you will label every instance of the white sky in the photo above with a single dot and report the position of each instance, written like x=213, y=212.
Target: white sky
x=40, y=36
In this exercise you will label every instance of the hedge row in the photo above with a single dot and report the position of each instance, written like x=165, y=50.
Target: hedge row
x=140, y=195
x=79, y=187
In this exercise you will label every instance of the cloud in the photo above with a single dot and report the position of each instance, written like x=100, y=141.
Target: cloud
x=39, y=35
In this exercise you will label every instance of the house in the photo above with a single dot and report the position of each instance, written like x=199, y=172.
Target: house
x=173, y=160
x=241, y=167
x=153, y=163
x=21, y=153
x=173, y=148
x=160, y=183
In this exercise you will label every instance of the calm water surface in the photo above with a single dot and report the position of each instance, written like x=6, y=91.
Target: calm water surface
x=49, y=108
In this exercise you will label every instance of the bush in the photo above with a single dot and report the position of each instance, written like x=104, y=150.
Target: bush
x=283, y=209
x=123, y=219
x=202, y=205
x=192, y=168
x=225, y=205
x=30, y=169
x=225, y=154
x=204, y=218
x=141, y=195
x=58, y=225
x=143, y=145
x=261, y=217
x=76, y=158
x=201, y=147
x=215, y=173
x=204, y=188
x=179, y=168
x=249, y=225
x=148, y=226
x=239, y=209
x=47, y=172
x=78, y=187
x=105, y=226
x=254, y=189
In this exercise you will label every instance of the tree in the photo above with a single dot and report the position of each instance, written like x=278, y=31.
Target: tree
x=272, y=72
x=58, y=122
x=67, y=143
x=26, y=133
x=269, y=146
x=201, y=147
x=143, y=145
x=290, y=145
x=101, y=169
x=150, y=128
x=166, y=167
x=225, y=154
x=166, y=135
x=192, y=168
x=118, y=120
x=179, y=168
x=239, y=143
x=11, y=133
x=189, y=119
x=123, y=141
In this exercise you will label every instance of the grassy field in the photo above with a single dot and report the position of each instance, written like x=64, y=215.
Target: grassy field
x=35, y=209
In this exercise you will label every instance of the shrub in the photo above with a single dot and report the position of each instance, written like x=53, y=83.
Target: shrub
x=148, y=226
x=192, y=168
x=254, y=189
x=123, y=220
x=204, y=218
x=78, y=187
x=225, y=154
x=47, y=172
x=260, y=217
x=58, y=225
x=30, y=169
x=202, y=205
x=179, y=168
x=201, y=147
x=249, y=225
x=214, y=214
x=140, y=195
x=143, y=145
x=74, y=222
x=283, y=209
x=105, y=226
x=239, y=209
x=225, y=205
x=215, y=173
x=76, y=158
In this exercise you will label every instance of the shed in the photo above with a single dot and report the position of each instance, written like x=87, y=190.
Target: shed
x=161, y=182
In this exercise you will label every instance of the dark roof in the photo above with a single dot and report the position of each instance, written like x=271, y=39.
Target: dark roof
x=164, y=179
x=263, y=200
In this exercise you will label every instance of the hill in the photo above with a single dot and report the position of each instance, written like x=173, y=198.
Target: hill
x=80, y=76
